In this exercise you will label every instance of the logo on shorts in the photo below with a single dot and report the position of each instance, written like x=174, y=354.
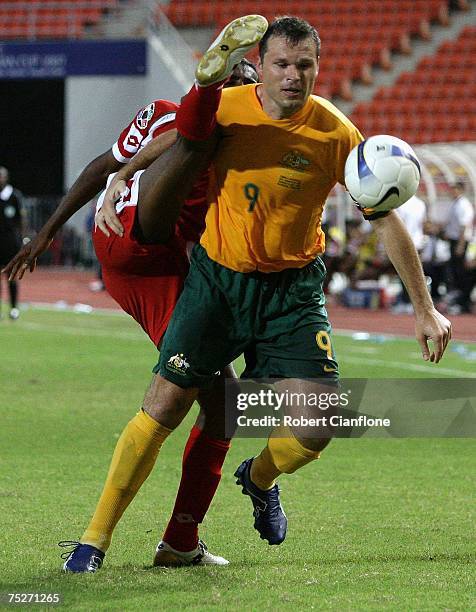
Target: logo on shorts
x=145, y=115
x=296, y=161
x=178, y=364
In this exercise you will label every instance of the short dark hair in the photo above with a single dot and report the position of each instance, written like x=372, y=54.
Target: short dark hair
x=293, y=29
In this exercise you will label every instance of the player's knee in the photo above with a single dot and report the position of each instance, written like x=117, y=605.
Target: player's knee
x=313, y=444
x=159, y=235
x=151, y=228
x=167, y=403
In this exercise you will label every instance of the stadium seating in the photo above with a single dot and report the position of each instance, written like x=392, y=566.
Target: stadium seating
x=352, y=38
x=20, y=19
x=355, y=36
x=329, y=12
x=435, y=103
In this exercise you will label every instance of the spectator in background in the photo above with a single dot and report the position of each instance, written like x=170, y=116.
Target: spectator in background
x=11, y=228
x=413, y=215
x=355, y=236
x=335, y=253
x=435, y=257
x=459, y=231
x=470, y=264
x=370, y=261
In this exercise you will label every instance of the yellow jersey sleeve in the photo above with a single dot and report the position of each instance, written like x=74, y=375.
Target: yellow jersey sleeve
x=270, y=180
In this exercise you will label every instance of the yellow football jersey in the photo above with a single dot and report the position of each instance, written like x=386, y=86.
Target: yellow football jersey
x=270, y=179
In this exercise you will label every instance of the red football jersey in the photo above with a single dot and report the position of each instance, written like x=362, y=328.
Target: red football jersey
x=152, y=120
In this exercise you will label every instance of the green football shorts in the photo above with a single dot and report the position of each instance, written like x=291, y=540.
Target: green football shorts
x=278, y=320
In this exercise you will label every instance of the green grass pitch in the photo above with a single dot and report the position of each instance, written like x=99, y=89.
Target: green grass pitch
x=375, y=524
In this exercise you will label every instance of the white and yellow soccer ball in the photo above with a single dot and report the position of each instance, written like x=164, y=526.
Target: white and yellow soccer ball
x=382, y=173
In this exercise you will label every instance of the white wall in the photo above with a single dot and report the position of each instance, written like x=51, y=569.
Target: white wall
x=161, y=80
x=97, y=108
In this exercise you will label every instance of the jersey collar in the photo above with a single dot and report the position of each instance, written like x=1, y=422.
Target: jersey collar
x=296, y=118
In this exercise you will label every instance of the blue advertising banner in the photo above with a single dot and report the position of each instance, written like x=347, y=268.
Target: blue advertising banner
x=55, y=60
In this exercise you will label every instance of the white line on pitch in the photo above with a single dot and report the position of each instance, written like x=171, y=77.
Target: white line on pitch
x=433, y=368
x=362, y=349
x=82, y=331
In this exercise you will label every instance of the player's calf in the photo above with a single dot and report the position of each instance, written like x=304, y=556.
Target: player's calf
x=165, y=185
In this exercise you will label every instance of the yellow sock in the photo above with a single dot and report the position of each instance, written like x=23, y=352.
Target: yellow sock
x=133, y=459
x=263, y=470
x=283, y=454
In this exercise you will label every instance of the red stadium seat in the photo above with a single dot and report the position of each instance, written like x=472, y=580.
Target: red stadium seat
x=46, y=19
x=349, y=28
x=435, y=103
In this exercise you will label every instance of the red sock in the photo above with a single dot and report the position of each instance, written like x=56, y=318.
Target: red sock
x=196, y=116
x=201, y=473
x=192, y=438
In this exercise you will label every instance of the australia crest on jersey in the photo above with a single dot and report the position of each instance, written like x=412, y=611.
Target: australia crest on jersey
x=295, y=160
x=145, y=115
x=178, y=364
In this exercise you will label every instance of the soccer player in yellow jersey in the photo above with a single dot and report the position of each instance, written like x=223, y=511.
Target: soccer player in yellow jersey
x=272, y=174
x=255, y=281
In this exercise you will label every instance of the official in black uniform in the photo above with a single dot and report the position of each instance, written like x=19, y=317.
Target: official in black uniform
x=10, y=233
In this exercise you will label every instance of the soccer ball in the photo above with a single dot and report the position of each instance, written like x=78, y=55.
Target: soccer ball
x=382, y=173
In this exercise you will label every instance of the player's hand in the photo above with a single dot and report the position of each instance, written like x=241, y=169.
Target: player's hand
x=100, y=222
x=26, y=257
x=106, y=218
x=432, y=325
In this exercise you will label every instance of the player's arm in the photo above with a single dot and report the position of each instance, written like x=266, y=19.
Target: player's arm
x=87, y=185
x=430, y=324
x=106, y=217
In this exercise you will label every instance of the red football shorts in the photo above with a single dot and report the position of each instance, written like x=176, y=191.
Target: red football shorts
x=144, y=279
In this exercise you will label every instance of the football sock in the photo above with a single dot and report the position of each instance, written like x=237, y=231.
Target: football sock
x=196, y=116
x=133, y=459
x=263, y=470
x=201, y=473
x=283, y=454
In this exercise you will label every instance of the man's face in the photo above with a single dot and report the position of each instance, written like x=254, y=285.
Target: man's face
x=289, y=74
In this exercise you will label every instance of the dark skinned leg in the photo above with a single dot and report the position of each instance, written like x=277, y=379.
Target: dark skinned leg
x=167, y=182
